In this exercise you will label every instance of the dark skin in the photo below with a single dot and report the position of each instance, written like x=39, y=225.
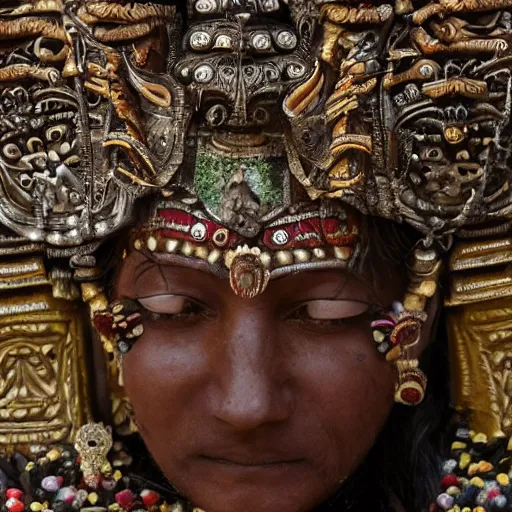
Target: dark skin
x=262, y=404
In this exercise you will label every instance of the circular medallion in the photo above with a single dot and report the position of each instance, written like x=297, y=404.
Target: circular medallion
x=261, y=42
x=220, y=237
x=200, y=40
x=203, y=74
x=286, y=40
x=295, y=70
x=198, y=232
x=223, y=41
x=206, y=6
x=280, y=237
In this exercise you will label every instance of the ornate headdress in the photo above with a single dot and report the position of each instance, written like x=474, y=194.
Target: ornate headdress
x=263, y=129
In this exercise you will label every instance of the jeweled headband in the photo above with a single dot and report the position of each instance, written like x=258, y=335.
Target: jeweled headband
x=263, y=129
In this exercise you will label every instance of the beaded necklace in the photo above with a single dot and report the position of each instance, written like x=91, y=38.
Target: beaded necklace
x=56, y=481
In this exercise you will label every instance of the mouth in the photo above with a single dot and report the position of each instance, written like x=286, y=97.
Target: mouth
x=252, y=463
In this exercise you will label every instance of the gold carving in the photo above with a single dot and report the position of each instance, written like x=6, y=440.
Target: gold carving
x=341, y=14
x=43, y=385
x=480, y=338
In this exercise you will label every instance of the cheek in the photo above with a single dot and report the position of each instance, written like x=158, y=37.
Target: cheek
x=347, y=391
x=161, y=373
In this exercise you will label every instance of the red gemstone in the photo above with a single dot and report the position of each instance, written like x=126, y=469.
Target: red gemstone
x=125, y=498
x=60, y=480
x=406, y=333
x=493, y=493
x=103, y=323
x=450, y=480
x=411, y=396
x=149, y=498
x=14, y=505
x=14, y=493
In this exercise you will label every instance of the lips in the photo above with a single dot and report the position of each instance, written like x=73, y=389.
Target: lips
x=256, y=462
x=245, y=457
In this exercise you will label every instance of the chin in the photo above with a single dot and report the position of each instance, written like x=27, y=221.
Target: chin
x=256, y=500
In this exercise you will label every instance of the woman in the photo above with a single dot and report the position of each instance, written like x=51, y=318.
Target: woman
x=259, y=201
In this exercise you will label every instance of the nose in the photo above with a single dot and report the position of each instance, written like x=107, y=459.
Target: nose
x=253, y=388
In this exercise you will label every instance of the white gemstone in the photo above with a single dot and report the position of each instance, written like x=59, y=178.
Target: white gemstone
x=223, y=41
x=287, y=40
x=284, y=258
x=280, y=237
x=171, y=245
x=151, y=243
x=295, y=70
x=101, y=228
x=301, y=255
x=266, y=259
x=187, y=249
x=318, y=253
x=198, y=232
x=200, y=40
x=206, y=6
x=214, y=256
x=261, y=42
x=204, y=74
x=342, y=253
x=202, y=252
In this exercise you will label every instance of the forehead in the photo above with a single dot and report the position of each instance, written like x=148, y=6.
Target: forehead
x=143, y=275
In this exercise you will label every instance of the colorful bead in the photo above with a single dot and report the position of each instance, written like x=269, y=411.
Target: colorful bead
x=35, y=506
x=54, y=454
x=66, y=494
x=477, y=482
x=449, y=481
x=480, y=438
x=493, y=493
x=51, y=483
x=92, y=498
x=449, y=466
x=500, y=501
x=80, y=498
x=149, y=498
x=14, y=493
x=463, y=433
x=445, y=501
x=14, y=505
x=109, y=484
x=464, y=460
x=503, y=479
x=125, y=499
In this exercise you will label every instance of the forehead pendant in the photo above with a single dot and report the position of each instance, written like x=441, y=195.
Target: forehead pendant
x=247, y=273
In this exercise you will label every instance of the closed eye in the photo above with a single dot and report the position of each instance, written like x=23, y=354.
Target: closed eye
x=327, y=311
x=173, y=306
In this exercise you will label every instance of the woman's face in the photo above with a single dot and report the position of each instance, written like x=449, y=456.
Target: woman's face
x=261, y=404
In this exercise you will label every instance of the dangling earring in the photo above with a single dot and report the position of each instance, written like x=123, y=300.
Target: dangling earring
x=395, y=335
x=119, y=325
x=412, y=383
